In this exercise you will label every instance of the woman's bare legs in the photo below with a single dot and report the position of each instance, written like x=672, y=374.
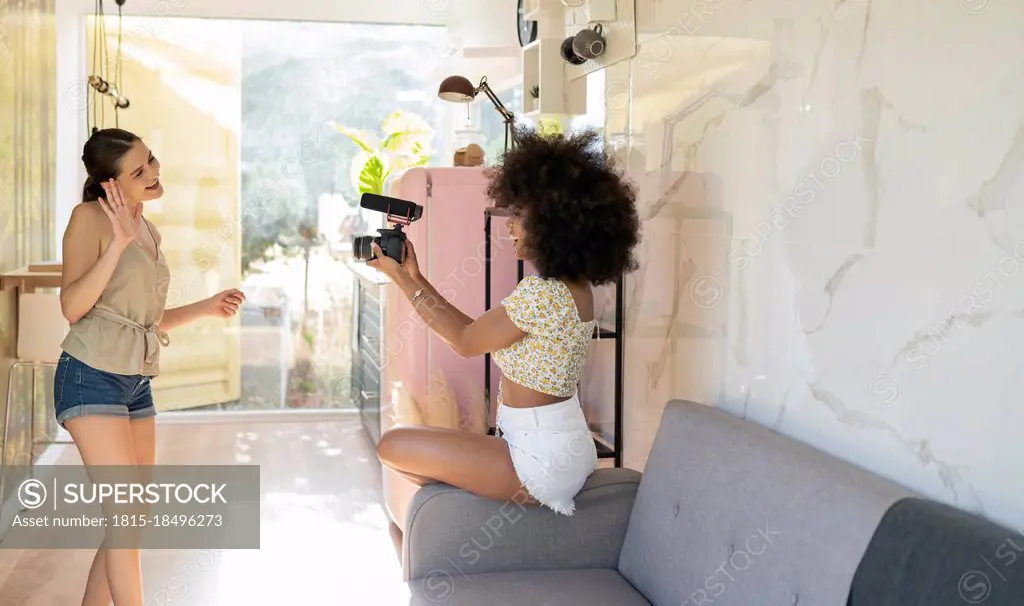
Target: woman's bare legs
x=106, y=440
x=473, y=462
x=415, y=479
x=97, y=591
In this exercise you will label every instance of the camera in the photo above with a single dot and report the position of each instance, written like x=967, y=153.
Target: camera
x=391, y=241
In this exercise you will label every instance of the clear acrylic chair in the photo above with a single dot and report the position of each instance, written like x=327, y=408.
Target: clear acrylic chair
x=41, y=329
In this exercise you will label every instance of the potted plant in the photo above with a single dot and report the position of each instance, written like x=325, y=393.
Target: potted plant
x=303, y=392
x=405, y=143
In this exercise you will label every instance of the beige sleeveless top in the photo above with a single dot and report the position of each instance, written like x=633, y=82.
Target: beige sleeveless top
x=120, y=333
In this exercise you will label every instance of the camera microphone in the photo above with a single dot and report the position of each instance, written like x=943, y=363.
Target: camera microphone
x=391, y=241
x=396, y=209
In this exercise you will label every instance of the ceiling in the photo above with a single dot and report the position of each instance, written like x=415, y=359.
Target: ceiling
x=486, y=19
x=483, y=39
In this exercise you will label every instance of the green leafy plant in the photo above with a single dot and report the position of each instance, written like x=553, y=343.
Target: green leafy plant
x=405, y=143
x=302, y=383
x=550, y=124
x=306, y=386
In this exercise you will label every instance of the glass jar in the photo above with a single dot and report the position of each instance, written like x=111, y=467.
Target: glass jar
x=469, y=135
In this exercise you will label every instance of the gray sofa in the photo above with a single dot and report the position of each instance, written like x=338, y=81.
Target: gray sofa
x=726, y=513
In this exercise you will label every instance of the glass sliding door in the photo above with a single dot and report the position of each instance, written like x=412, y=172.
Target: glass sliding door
x=261, y=185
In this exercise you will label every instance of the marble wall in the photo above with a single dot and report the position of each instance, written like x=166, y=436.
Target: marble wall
x=27, y=114
x=833, y=230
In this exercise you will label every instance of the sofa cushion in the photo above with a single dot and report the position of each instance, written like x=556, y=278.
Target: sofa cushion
x=731, y=513
x=463, y=534
x=585, y=587
x=930, y=554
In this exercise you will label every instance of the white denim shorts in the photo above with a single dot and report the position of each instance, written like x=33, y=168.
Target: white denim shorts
x=552, y=450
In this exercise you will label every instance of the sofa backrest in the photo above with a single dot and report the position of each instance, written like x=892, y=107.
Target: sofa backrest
x=732, y=514
x=925, y=552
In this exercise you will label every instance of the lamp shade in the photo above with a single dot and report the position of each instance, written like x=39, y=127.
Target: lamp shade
x=456, y=89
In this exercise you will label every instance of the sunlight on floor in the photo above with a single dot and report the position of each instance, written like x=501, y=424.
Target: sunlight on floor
x=324, y=536
x=314, y=556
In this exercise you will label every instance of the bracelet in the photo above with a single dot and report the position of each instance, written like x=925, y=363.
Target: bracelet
x=415, y=295
x=416, y=305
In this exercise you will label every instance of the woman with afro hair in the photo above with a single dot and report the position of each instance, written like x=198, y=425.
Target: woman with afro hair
x=574, y=217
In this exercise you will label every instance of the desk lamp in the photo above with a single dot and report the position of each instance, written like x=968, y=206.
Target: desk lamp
x=459, y=89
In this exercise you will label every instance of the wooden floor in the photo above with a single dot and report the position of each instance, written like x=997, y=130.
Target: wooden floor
x=324, y=536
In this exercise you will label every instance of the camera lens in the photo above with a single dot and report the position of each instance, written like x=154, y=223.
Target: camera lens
x=362, y=248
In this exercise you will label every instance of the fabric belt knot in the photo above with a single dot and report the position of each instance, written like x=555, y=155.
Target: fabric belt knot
x=152, y=335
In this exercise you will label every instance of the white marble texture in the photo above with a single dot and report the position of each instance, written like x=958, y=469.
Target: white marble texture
x=833, y=206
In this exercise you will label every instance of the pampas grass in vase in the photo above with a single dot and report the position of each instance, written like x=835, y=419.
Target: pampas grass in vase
x=475, y=420
x=406, y=412
x=442, y=408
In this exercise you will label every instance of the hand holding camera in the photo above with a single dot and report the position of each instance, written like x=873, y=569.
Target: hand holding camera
x=390, y=252
x=391, y=268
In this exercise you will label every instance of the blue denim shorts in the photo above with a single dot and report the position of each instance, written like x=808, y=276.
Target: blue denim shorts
x=80, y=390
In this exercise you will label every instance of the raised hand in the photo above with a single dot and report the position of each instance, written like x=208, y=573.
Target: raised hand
x=383, y=263
x=126, y=220
x=224, y=304
x=392, y=268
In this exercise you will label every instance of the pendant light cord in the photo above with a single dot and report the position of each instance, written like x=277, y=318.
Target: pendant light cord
x=112, y=83
x=91, y=98
x=120, y=89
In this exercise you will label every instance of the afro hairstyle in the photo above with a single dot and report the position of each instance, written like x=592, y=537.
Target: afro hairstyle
x=578, y=209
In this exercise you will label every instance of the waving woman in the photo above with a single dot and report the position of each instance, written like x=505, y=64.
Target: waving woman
x=113, y=293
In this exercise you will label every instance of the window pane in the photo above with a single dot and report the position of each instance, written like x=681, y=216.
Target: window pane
x=261, y=186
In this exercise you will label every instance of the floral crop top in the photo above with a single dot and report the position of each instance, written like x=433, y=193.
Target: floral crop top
x=550, y=358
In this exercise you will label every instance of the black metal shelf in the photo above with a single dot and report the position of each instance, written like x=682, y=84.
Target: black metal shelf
x=604, y=449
